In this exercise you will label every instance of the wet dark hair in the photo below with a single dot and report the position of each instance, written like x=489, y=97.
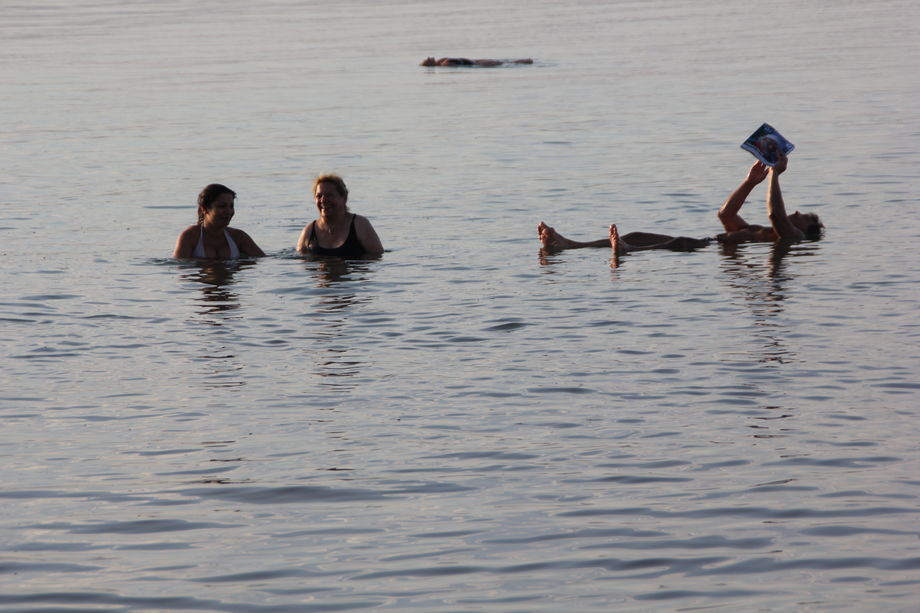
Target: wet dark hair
x=208, y=195
x=813, y=231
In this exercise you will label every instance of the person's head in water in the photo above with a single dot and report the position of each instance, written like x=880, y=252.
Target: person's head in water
x=429, y=61
x=330, y=194
x=209, y=196
x=809, y=223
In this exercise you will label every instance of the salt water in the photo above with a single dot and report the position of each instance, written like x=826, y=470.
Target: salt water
x=465, y=424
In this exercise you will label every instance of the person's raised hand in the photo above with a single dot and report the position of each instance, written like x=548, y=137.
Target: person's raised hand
x=781, y=162
x=757, y=173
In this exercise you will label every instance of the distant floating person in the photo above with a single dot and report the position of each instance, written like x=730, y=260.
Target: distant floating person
x=462, y=61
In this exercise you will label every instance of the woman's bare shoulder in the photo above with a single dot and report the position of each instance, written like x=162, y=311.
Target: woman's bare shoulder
x=186, y=242
x=189, y=233
x=362, y=220
x=236, y=233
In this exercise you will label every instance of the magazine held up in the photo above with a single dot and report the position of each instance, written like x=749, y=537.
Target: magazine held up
x=766, y=143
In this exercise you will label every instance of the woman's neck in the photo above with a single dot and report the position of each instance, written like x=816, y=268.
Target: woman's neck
x=212, y=228
x=331, y=222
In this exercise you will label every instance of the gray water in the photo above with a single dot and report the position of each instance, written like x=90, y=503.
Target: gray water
x=466, y=424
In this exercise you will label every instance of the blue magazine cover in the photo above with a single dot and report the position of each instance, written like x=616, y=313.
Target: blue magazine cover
x=766, y=143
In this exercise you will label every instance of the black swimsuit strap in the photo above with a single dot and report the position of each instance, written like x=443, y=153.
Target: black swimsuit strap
x=351, y=247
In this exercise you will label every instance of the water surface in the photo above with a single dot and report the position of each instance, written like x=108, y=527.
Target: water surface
x=466, y=424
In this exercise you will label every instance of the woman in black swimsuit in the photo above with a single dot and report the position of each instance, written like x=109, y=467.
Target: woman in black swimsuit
x=337, y=231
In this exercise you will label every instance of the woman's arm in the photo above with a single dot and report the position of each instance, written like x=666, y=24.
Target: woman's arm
x=368, y=236
x=246, y=244
x=186, y=242
x=304, y=237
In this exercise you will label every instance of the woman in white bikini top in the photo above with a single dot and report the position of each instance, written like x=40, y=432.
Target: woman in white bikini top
x=199, y=251
x=212, y=237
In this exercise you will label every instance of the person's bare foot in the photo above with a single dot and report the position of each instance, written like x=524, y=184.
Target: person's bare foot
x=617, y=245
x=552, y=239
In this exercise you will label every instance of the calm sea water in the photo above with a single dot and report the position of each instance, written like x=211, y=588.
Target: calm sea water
x=465, y=424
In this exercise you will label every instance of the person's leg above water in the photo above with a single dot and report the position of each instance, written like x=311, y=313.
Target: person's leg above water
x=634, y=241
x=641, y=241
x=554, y=241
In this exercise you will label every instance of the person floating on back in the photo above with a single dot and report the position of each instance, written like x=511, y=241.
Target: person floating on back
x=462, y=61
x=783, y=227
x=337, y=231
x=212, y=237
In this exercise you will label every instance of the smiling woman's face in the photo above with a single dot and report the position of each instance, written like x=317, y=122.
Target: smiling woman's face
x=221, y=211
x=328, y=200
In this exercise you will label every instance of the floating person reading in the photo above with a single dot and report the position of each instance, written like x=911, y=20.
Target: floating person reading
x=794, y=227
x=462, y=61
x=212, y=237
x=337, y=231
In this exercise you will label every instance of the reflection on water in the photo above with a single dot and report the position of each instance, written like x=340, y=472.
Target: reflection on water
x=763, y=284
x=766, y=277
x=217, y=301
x=216, y=279
x=548, y=257
x=332, y=270
x=340, y=282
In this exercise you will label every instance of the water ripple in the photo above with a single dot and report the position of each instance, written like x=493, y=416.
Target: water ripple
x=759, y=512
x=142, y=526
x=285, y=495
